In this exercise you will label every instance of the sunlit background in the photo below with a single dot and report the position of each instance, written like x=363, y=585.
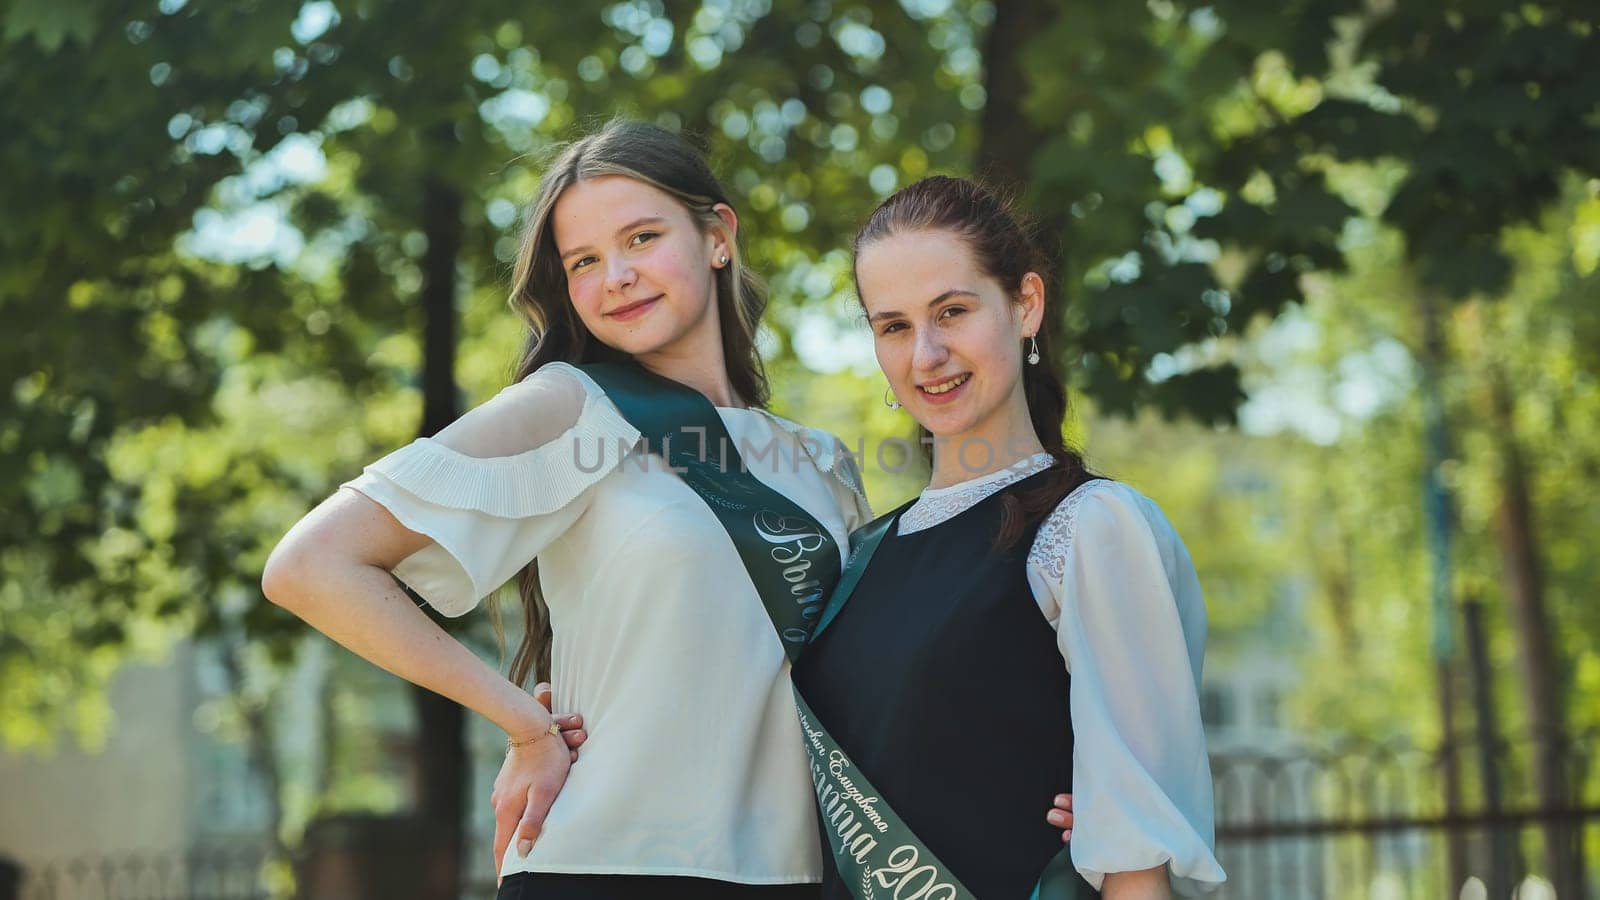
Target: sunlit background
x=1328, y=294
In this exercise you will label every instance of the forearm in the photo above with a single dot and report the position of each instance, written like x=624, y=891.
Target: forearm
x=363, y=609
x=1146, y=884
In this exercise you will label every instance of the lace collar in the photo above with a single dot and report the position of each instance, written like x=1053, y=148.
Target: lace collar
x=937, y=505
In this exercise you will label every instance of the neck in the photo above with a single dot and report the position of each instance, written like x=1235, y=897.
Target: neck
x=696, y=359
x=699, y=367
x=1004, y=439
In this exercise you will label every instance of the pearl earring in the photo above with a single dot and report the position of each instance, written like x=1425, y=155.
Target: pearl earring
x=1033, y=351
x=889, y=398
x=723, y=261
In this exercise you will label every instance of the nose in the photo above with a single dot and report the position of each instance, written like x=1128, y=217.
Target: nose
x=620, y=275
x=930, y=352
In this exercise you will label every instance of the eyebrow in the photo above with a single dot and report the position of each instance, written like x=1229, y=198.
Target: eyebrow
x=953, y=292
x=646, y=220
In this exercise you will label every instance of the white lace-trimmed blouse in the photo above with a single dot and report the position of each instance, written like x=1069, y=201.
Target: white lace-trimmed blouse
x=694, y=764
x=1114, y=579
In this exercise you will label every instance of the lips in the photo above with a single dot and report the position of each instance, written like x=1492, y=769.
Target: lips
x=944, y=391
x=634, y=310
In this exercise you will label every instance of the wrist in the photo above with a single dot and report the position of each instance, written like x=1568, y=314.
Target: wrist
x=530, y=735
x=524, y=718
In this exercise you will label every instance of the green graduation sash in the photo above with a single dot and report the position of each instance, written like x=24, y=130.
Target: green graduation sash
x=792, y=561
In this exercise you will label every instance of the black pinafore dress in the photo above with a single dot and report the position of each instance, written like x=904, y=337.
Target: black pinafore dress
x=941, y=679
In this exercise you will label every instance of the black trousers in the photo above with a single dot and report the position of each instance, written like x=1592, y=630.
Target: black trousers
x=547, y=886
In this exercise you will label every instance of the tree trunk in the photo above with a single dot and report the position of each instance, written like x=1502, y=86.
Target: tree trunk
x=260, y=744
x=1440, y=516
x=441, y=212
x=1007, y=139
x=441, y=749
x=1538, y=663
x=1487, y=740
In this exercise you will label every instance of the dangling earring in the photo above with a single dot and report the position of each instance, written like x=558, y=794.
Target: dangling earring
x=1033, y=350
x=889, y=399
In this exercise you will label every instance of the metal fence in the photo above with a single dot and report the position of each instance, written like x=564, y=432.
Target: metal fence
x=203, y=873
x=1386, y=822
x=1396, y=822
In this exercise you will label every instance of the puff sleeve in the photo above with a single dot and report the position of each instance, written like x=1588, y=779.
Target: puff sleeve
x=1116, y=581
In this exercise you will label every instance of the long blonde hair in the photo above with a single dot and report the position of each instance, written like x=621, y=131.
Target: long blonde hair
x=666, y=161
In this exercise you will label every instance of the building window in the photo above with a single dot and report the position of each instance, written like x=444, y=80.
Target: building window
x=1215, y=709
x=1269, y=705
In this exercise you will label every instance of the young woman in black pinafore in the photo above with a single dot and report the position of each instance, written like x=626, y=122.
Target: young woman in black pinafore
x=1062, y=605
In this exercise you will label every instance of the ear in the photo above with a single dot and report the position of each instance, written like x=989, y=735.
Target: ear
x=1031, y=300
x=722, y=237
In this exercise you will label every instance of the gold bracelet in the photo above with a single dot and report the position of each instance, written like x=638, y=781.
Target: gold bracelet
x=555, y=728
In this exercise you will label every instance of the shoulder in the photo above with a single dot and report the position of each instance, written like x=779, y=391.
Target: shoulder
x=831, y=456
x=830, y=453
x=531, y=423
x=558, y=383
x=1097, y=512
x=560, y=399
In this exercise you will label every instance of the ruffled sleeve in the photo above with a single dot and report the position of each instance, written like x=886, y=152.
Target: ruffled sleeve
x=1114, y=578
x=498, y=485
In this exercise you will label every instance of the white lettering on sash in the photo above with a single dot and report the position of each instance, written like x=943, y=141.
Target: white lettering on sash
x=793, y=540
x=836, y=793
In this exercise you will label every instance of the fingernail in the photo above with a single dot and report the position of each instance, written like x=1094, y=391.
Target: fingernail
x=1055, y=817
x=524, y=846
x=1066, y=835
x=1061, y=799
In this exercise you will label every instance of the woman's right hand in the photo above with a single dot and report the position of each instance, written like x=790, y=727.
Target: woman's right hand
x=529, y=781
x=571, y=723
x=1060, y=816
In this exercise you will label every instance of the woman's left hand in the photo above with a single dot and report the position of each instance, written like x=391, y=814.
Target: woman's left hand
x=1060, y=816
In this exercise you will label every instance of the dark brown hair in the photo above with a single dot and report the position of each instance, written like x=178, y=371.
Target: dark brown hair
x=664, y=160
x=1006, y=247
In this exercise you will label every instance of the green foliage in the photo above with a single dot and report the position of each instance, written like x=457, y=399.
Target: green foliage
x=167, y=417
x=1205, y=168
x=1185, y=147
x=1177, y=185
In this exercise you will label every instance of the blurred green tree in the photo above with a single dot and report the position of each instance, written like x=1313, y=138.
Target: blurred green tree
x=1191, y=200
x=157, y=462
x=175, y=410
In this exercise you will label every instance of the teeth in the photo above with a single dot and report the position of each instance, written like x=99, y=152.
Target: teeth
x=947, y=386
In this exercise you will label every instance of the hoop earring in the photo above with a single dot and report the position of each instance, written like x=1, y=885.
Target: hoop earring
x=889, y=399
x=1033, y=350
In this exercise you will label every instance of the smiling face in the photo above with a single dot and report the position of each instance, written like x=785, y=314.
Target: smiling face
x=947, y=335
x=640, y=269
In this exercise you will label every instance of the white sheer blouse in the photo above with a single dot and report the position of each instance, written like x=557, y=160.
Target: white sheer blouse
x=1114, y=579
x=694, y=763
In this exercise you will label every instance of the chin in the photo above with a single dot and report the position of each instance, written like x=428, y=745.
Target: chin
x=640, y=341
x=947, y=423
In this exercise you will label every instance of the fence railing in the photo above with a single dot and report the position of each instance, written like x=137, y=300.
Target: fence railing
x=1399, y=822
x=202, y=873
x=1359, y=821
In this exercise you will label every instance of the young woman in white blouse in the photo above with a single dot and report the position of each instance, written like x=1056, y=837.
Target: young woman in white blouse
x=1061, y=604
x=692, y=781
